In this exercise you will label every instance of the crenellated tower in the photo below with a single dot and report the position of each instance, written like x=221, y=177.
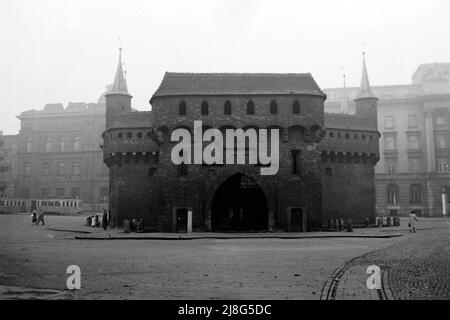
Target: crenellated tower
x=118, y=100
x=365, y=101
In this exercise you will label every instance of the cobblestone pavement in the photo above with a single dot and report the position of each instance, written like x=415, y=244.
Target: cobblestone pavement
x=417, y=267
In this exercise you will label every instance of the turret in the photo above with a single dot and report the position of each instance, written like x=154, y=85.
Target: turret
x=118, y=100
x=366, y=102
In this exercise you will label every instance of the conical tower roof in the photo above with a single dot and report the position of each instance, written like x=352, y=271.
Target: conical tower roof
x=120, y=82
x=364, y=90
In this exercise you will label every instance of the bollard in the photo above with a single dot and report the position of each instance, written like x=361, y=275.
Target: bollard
x=341, y=224
x=336, y=224
x=366, y=222
x=126, y=226
x=389, y=221
x=380, y=222
x=396, y=221
x=332, y=224
x=349, y=225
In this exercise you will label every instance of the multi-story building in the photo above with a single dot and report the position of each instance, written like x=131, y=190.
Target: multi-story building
x=414, y=121
x=8, y=165
x=59, y=154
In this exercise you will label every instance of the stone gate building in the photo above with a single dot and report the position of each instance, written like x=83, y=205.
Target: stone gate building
x=326, y=161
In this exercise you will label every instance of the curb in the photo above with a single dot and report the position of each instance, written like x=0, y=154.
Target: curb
x=238, y=237
x=69, y=230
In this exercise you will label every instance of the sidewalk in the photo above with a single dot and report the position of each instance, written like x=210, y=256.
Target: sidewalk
x=90, y=233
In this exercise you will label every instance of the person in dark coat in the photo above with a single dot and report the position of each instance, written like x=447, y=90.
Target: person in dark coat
x=110, y=219
x=34, y=217
x=105, y=219
x=40, y=217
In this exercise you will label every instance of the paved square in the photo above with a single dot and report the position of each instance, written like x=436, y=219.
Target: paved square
x=37, y=257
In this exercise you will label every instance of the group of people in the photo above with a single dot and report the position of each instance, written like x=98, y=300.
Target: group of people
x=37, y=216
x=94, y=221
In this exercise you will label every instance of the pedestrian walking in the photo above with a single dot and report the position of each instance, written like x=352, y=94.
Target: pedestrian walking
x=230, y=219
x=40, y=217
x=34, y=217
x=105, y=219
x=110, y=219
x=412, y=222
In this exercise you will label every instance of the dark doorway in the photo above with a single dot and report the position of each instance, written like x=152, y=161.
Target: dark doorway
x=239, y=205
x=182, y=220
x=297, y=220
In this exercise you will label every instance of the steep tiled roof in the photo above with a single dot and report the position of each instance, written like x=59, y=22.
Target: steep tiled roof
x=347, y=121
x=179, y=84
x=138, y=119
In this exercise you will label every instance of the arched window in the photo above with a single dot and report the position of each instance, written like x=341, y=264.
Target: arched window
x=129, y=135
x=62, y=144
x=273, y=107
x=296, y=107
x=227, y=108
x=392, y=193
x=250, y=107
x=47, y=168
x=182, y=108
x=205, y=108
x=76, y=168
x=27, y=169
x=48, y=145
x=440, y=121
x=77, y=144
x=415, y=193
x=61, y=168
x=295, y=162
x=28, y=145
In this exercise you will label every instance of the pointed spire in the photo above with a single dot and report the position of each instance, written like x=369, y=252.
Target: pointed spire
x=120, y=82
x=365, y=91
x=344, y=102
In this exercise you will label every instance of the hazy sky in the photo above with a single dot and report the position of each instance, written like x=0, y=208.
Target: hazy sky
x=66, y=50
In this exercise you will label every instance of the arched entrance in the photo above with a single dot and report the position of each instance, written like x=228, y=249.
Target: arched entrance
x=239, y=204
